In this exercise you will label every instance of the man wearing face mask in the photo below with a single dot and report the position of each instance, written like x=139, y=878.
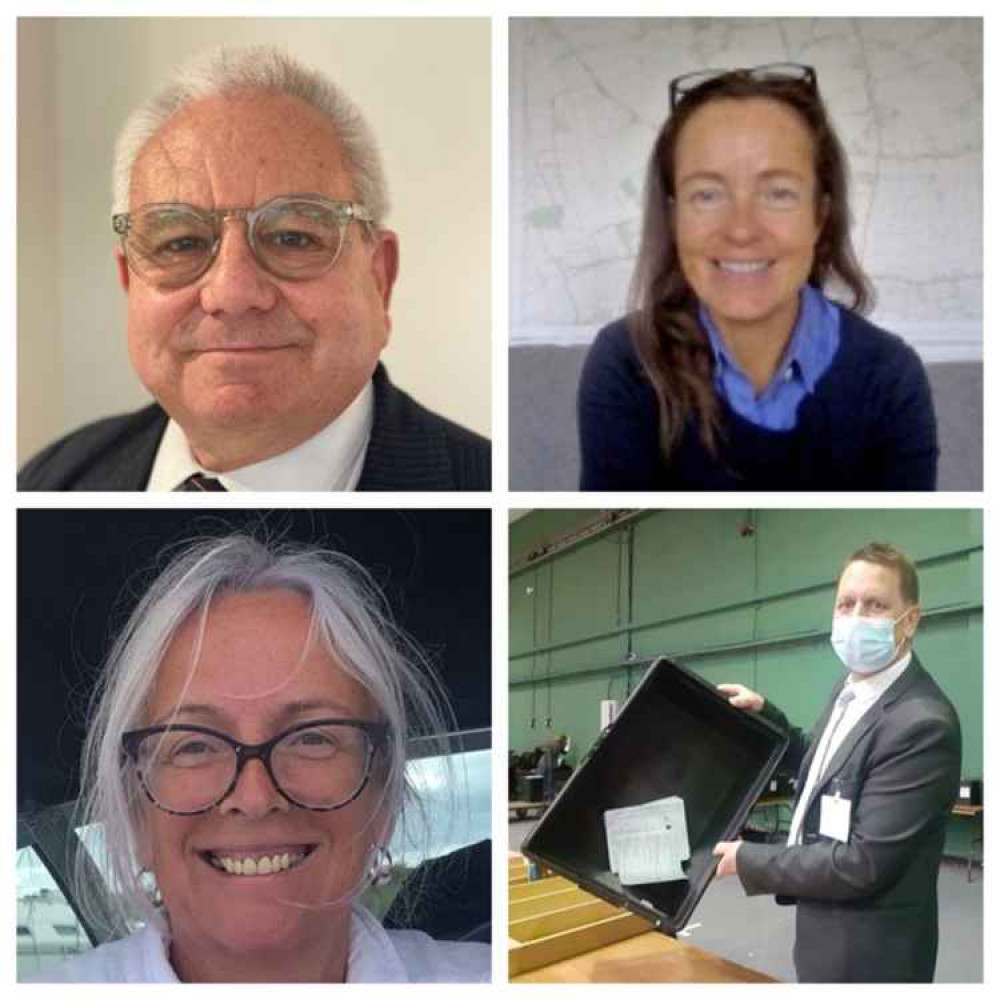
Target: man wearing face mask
x=877, y=779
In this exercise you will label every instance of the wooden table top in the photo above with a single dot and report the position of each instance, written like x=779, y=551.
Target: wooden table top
x=961, y=809
x=646, y=958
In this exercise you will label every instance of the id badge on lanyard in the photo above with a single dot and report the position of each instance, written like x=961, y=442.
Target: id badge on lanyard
x=835, y=815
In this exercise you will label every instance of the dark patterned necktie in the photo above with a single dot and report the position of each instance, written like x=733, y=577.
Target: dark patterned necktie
x=198, y=483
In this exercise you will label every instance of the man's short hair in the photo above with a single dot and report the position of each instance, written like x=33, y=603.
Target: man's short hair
x=230, y=70
x=883, y=554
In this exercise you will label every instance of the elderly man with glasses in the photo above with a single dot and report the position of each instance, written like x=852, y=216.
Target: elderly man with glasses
x=249, y=203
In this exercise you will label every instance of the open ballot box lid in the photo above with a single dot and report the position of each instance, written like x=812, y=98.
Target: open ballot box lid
x=675, y=736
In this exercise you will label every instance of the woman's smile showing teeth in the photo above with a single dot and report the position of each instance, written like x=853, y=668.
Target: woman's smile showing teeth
x=743, y=266
x=258, y=863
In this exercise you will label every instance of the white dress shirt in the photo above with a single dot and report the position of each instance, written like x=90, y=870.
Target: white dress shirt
x=844, y=717
x=329, y=460
x=376, y=956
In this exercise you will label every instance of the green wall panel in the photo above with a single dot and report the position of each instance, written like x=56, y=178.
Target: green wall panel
x=586, y=595
x=601, y=653
x=945, y=582
x=690, y=560
x=520, y=709
x=521, y=607
x=693, y=635
x=974, y=567
x=526, y=669
x=542, y=527
x=800, y=548
x=975, y=527
x=793, y=614
x=971, y=705
x=947, y=648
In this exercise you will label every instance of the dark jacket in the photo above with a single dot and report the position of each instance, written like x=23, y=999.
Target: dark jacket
x=867, y=909
x=410, y=449
x=869, y=425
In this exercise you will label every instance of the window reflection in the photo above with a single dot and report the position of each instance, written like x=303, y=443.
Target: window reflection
x=47, y=929
x=455, y=792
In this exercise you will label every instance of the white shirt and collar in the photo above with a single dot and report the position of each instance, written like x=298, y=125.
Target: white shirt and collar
x=330, y=460
x=376, y=956
x=866, y=691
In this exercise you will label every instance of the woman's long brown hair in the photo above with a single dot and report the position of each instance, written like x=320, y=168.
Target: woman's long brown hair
x=674, y=349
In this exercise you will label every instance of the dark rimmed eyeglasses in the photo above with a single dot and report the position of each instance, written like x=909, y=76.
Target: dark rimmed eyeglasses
x=681, y=86
x=320, y=765
x=294, y=237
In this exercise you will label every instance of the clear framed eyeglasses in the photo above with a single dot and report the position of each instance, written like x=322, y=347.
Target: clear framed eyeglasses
x=681, y=86
x=293, y=237
x=321, y=765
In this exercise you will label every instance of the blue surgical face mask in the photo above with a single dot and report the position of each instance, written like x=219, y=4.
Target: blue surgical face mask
x=865, y=645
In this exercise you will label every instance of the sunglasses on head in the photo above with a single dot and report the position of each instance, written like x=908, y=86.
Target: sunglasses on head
x=681, y=86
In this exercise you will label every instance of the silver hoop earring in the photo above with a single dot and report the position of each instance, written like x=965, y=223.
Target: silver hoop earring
x=380, y=869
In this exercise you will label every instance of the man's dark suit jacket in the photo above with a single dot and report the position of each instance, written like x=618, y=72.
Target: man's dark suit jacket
x=867, y=909
x=410, y=449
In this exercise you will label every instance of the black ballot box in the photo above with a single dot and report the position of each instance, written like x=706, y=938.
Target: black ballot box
x=676, y=735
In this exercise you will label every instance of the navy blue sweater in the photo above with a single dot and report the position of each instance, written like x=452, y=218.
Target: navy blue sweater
x=868, y=426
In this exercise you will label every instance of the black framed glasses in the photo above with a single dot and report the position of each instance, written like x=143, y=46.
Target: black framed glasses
x=321, y=765
x=681, y=86
x=294, y=237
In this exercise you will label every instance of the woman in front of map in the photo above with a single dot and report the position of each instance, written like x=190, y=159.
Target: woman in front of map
x=734, y=370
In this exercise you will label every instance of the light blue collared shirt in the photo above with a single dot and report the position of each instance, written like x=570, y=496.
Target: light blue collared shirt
x=811, y=349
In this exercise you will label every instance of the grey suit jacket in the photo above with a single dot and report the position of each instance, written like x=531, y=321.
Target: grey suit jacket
x=411, y=448
x=867, y=909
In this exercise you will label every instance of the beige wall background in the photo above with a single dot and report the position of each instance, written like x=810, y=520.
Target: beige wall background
x=423, y=83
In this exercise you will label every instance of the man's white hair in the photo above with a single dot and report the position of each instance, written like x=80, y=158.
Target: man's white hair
x=229, y=70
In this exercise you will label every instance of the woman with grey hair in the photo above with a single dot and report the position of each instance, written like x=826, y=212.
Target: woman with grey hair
x=246, y=763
